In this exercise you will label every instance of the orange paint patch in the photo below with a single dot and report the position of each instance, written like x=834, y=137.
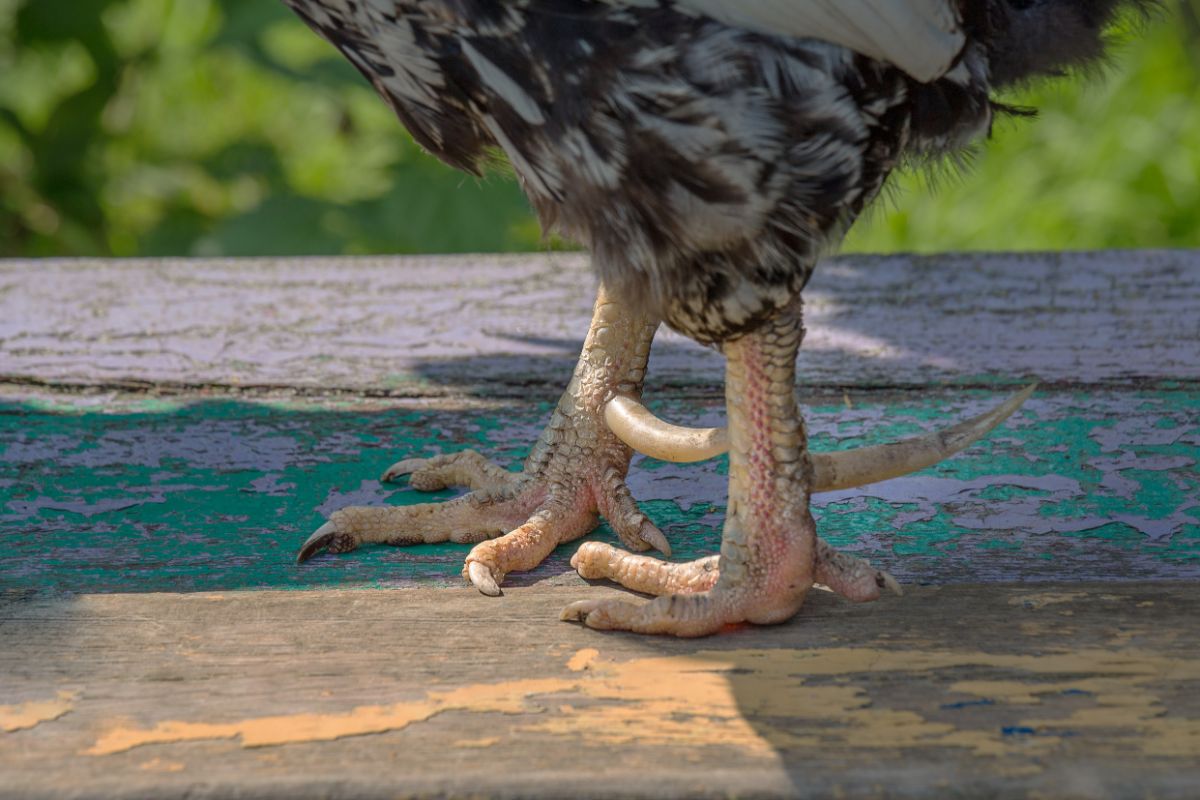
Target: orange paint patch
x=27, y=715
x=291, y=728
x=583, y=659
x=761, y=701
x=486, y=742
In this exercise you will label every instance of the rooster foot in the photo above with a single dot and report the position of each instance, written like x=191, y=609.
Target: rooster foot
x=575, y=473
x=770, y=554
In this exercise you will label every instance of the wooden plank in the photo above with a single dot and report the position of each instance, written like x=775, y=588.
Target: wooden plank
x=174, y=495
x=495, y=325
x=973, y=691
x=114, y=492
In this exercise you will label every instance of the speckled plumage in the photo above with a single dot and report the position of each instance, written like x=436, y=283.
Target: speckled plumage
x=706, y=166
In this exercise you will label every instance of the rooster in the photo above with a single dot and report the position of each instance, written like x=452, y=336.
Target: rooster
x=706, y=152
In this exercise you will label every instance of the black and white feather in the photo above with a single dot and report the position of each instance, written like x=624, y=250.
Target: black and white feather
x=706, y=151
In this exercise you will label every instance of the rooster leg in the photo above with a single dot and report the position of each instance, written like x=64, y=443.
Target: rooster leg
x=769, y=549
x=575, y=472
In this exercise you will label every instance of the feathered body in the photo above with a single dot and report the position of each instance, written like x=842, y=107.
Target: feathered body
x=706, y=165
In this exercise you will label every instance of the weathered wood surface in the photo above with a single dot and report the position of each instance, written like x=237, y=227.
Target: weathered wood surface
x=152, y=440
x=501, y=325
x=1086, y=691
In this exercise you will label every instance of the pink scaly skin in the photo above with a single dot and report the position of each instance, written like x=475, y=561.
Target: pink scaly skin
x=770, y=554
x=575, y=472
x=843, y=574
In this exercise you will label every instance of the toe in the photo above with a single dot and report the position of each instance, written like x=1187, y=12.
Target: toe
x=685, y=616
x=463, y=468
x=524, y=547
x=851, y=577
x=633, y=528
x=610, y=615
x=592, y=559
x=579, y=611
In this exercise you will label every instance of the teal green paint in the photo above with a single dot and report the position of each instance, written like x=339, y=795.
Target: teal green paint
x=1184, y=547
x=999, y=544
x=1153, y=497
x=168, y=495
x=690, y=536
x=208, y=526
x=926, y=537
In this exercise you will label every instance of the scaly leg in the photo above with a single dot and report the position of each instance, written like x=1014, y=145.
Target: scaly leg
x=575, y=472
x=770, y=555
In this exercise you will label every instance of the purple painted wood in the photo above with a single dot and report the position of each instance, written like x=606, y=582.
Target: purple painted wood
x=427, y=326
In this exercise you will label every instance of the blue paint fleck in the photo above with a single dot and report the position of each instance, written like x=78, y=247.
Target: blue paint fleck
x=1021, y=730
x=1017, y=730
x=969, y=703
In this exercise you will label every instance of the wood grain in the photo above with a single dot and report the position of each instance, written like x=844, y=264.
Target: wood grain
x=969, y=691
x=499, y=325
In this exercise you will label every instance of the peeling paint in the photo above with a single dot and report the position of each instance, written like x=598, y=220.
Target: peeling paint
x=30, y=714
x=762, y=701
x=292, y=728
x=216, y=496
x=583, y=659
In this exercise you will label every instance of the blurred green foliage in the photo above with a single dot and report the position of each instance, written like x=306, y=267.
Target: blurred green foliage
x=210, y=127
x=1112, y=160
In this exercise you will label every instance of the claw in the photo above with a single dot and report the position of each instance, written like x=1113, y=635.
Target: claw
x=482, y=579
x=635, y=425
x=401, y=468
x=317, y=542
x=886, y=581
x=651, y=535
